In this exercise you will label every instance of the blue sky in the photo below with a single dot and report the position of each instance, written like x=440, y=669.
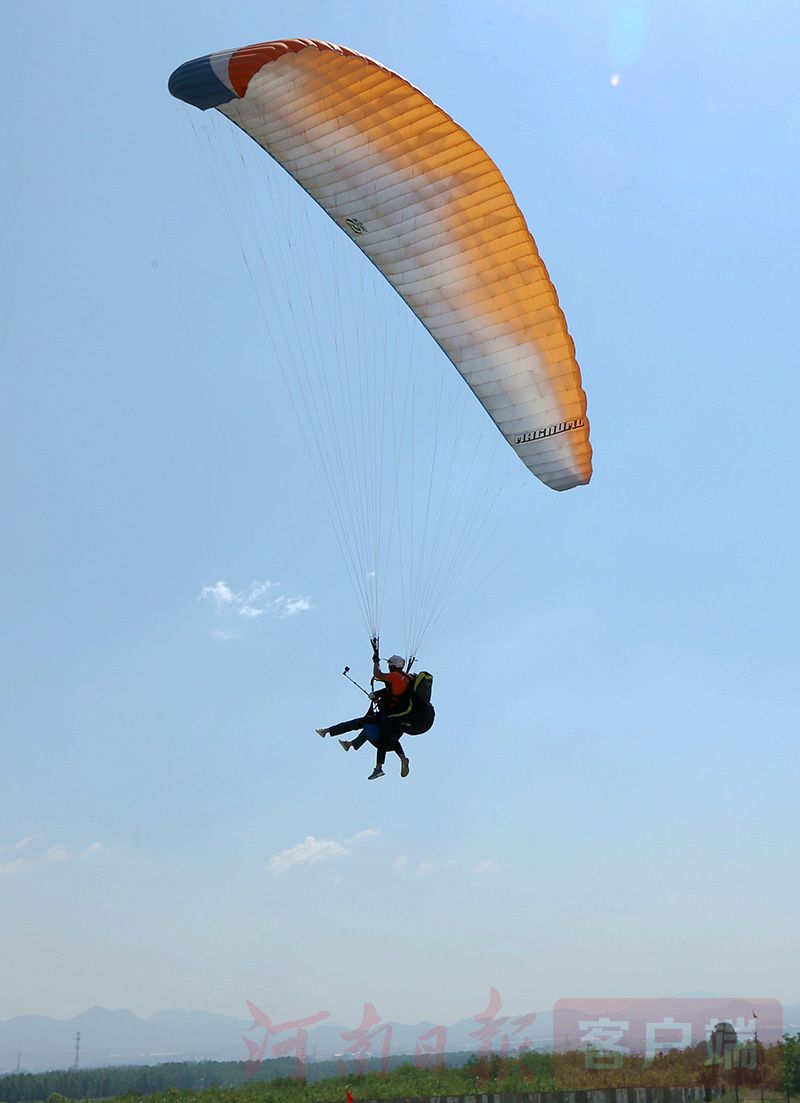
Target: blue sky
x=608, y=802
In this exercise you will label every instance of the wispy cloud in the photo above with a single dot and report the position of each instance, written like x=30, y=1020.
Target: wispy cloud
x=291, y=606
x=29, y=857
x=259, y=599
x=421, y=869
x=21, y=844
x=311, y=852
x=369, y=833
x=221, y=594
x=305, y=855
x=406, y=868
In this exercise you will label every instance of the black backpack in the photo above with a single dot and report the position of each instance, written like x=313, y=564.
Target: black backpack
x=422, y=713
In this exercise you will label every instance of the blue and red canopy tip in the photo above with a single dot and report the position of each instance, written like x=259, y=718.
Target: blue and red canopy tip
x=197, y=83
x=219, y=78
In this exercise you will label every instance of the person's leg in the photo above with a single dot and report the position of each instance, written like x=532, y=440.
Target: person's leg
x=404, y=764
x=378, y=740
x=369, y=734
x=350, y=725
x=383, y=747
x=390, y=738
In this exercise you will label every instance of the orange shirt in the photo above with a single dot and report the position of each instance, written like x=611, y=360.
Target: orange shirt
x=397, y=682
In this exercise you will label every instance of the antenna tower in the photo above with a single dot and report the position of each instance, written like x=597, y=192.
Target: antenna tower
x=76, y=1062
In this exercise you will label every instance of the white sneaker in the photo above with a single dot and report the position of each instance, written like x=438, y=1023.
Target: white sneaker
x=322, y=731
x=377, y=772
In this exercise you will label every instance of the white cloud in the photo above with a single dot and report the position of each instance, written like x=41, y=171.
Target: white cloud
x=258, y=600
x=57, y=853
x=312, y=851
x=21, y=844
x=13, y=867
x=422, y=869
x=258, y=589
x=34, y=859
x=291, y=606
x=368, y=833
x=221, y=634
x=405, y=868
x=305, y=855
x=220, y=593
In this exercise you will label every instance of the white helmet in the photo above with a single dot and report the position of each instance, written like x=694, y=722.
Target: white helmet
x=396, y=660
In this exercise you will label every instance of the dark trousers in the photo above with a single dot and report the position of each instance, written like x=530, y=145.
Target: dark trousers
x=354, y=725
x=382, y=732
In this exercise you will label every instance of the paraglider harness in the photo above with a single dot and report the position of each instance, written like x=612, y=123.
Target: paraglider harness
x=412, y=713
x=421, y=712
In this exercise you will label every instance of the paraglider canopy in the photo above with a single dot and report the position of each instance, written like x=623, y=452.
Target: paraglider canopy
x=432, y=211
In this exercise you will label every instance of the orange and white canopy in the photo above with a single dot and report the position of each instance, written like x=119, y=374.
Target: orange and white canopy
x=432, y=211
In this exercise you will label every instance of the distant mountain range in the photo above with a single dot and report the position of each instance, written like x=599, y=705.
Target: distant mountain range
x=36, y=1043
x=122, y=1038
